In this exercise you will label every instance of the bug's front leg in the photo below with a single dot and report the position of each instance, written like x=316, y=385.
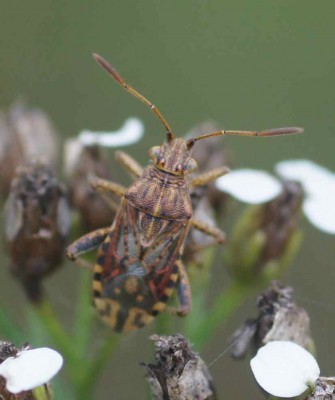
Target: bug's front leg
x=86, y=243
x=210, y=176
x=129, y=164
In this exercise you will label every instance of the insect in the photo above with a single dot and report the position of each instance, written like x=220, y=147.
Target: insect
x=138, y=262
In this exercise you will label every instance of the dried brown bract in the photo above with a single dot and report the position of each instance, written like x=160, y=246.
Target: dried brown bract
x=279, y=318
x=179, y=373
x=95, y=212
x=324, y=389
x=269, y=236
x=37, y=224
x=26, y=134
x=279, y=219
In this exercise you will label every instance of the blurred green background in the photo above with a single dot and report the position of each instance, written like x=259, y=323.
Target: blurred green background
x=246, y=64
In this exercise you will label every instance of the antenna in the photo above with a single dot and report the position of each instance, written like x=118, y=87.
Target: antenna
x=266, y=132
x=118, y=78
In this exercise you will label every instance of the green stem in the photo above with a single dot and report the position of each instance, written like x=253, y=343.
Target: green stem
x=200, y=276
x=52, y=325
x=94, y=368
x=223, y=307
x=84, y=315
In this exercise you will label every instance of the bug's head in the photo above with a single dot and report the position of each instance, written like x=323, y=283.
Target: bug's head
x=174, y=157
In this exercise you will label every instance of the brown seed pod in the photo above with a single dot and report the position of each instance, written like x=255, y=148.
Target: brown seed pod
x=269, y=236
x=37, y=224
x=279, y=318
x=87, y=162
x=26, y=134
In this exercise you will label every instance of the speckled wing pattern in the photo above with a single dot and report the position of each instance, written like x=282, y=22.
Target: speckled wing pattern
x=136, y=271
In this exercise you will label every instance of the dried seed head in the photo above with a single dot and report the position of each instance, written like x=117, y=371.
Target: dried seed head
x=279, y=318
x=26, y=134
x=268, y=235
x=324, y=389
x=89, y=162
x=37, y=225
x=179, y=373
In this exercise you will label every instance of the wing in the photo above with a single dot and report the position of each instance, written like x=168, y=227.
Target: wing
x=142, y=245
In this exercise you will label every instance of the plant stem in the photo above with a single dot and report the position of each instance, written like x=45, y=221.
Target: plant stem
x=55, y=329
x=84, y=315
x=225, y=304
x=94, y=368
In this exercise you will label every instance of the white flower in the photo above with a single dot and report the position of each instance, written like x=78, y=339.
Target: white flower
x=30, y=369
x=284, y=369
x=255, y=187
x=250, y=185
x=131, y=132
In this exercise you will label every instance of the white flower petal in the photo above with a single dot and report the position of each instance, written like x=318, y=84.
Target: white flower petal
x=30, y=369
x=250, y=186
x=314, y=178
x=320, y=211
x=284, y=369
x=131, y=132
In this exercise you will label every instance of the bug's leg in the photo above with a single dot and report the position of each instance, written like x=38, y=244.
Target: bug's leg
x=129, y=164
x=216, y=233
x=103, y=185
x=86, y=243
x=210, y=176
x=178, y=279
x=183, y=291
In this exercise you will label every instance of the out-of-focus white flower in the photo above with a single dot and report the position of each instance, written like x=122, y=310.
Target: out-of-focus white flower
x=30, y=369
x=253, y=187
x=319, y=185
x=284, y=369
x=131, y=132
x=250, y=185
x=314, y=178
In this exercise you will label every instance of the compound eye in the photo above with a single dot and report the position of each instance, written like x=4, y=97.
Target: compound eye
x=154, y=152
x=192, y=165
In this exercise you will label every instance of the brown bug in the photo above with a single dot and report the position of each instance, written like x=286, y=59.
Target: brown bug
x=139, y=264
